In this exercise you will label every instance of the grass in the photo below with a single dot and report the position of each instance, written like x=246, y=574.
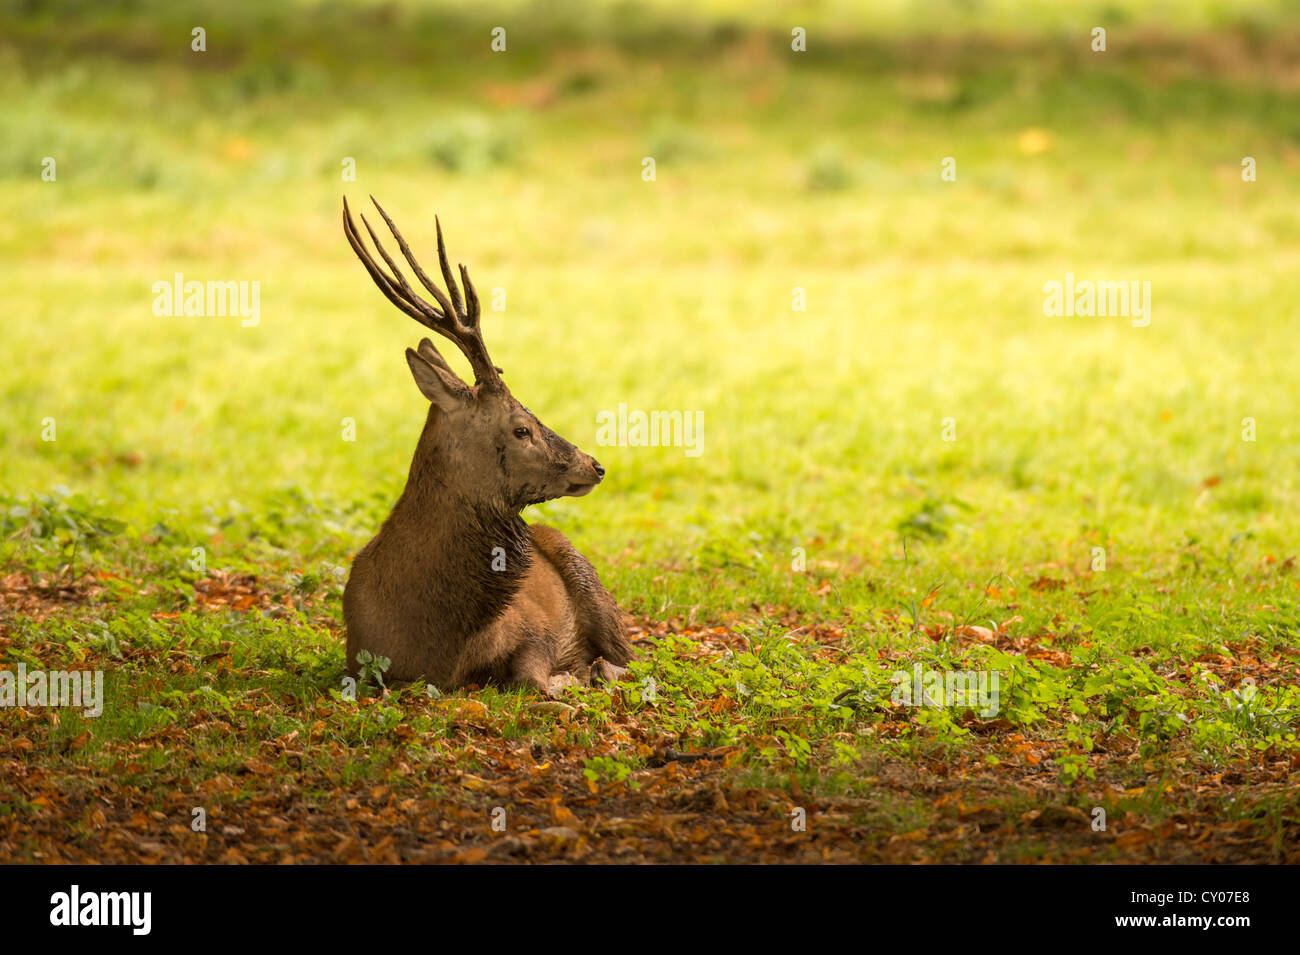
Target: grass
x=1097, y=530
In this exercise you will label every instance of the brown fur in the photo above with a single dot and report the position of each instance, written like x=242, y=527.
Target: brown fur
x=455, y=588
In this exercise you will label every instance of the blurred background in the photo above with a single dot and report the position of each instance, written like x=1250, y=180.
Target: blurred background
x=775, y=169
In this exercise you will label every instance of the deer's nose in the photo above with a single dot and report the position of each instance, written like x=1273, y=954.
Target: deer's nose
x=600, y=471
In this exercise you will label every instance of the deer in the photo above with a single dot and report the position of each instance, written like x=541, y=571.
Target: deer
x=456, y=589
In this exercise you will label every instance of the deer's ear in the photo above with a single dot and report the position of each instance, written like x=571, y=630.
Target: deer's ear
x=438, y=384
x=429, y=353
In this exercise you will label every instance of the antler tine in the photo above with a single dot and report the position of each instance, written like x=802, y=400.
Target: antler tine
x=448, y=313
x=381, y=279
x=446, y=274
x=471, y=300
x=436, y=319
x=452, y=319
x=471, y=297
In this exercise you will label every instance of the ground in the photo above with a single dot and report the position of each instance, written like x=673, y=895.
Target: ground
x=903, y=461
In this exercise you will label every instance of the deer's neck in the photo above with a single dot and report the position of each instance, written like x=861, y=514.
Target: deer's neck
x=458, y=559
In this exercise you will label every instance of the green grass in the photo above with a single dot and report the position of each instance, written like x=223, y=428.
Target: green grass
x=823, y=430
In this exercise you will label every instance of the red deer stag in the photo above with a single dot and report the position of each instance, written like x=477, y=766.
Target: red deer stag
x=455, y=588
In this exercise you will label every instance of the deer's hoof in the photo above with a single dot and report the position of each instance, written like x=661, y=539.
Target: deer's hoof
x=602, y=671
x=555, y=686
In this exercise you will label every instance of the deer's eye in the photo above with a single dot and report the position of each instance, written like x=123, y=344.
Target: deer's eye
x=522, y=434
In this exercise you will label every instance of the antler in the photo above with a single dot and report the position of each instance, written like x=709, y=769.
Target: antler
x=453, y=319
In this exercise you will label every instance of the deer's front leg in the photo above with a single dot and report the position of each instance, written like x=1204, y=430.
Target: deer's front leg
x=602, y=671
x=533, y=664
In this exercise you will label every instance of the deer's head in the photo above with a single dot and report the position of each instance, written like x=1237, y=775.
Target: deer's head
x=494, y=448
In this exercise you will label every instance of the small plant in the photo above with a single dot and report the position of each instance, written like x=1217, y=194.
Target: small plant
x=934, y=518
x=607, y=769
x=60, y=520
x=671, y=142
x=1074, y=767
x=471, y=143
x=371, y=668
x=828, y=171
